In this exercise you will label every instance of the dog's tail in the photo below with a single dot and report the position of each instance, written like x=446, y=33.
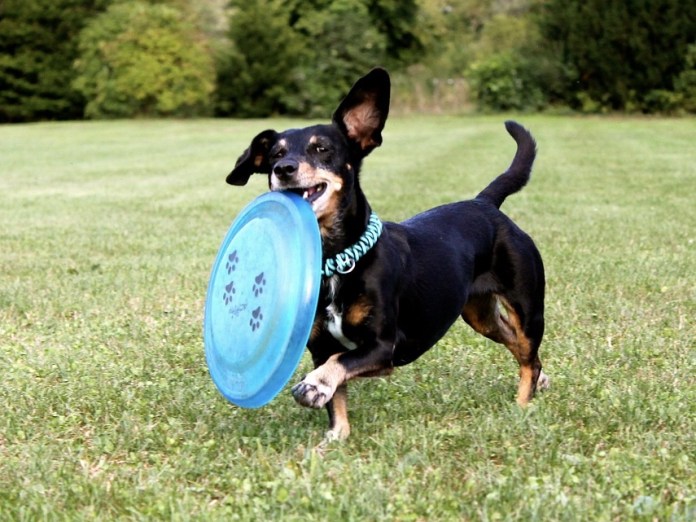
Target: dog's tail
x=517, y=174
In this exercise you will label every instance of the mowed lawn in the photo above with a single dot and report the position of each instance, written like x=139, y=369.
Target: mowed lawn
x=108, y=232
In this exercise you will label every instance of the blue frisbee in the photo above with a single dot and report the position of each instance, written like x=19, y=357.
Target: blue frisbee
x=262, y=297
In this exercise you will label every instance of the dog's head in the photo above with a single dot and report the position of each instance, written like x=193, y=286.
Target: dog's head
x=321, y=162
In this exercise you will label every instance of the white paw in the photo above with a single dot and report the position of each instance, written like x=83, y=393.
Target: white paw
x=312, y=392
x=337, y=434
x=543, y=382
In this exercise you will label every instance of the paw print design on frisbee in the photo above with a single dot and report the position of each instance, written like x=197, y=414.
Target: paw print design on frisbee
x=256, y=318
x=256, y=314
x=231, y=264
x=229, y=292
x=260, y=282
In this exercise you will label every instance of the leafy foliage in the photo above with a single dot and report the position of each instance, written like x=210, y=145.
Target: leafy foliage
x=139, y=59
x=397, y=21
x=622, y=53
x=341, y=43
x=685, y=83
x=503, y=82
x=255, y=73
x=266, y=57
x=300, y=57
x=37, y=49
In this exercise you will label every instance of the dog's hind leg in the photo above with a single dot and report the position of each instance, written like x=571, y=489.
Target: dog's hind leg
x=527, y=326
x=493, y=316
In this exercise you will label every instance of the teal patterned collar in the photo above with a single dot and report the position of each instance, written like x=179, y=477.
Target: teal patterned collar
x=344, y=262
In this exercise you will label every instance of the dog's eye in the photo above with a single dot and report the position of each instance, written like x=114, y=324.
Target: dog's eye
x=278, y=154
x=321, y=149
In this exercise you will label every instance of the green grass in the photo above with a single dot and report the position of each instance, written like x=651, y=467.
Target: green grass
x=108, y=232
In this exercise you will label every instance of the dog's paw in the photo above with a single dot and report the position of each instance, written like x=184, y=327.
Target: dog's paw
x=331, y=437
x=543, y=382
x=337, y=434
x=312, y=394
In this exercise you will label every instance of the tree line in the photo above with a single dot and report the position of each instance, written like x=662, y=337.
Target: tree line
x=70, y=59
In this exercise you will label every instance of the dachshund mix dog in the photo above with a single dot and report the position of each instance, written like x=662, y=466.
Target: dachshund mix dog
x=390, y=291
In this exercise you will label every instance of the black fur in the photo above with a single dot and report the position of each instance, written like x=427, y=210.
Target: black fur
x=465, y=259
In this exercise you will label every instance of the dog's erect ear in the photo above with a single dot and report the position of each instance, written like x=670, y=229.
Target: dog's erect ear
x=254, y=159
x=362, y=114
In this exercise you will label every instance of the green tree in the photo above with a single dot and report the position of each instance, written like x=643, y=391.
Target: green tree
x=258, y=68
x=301, y=56
x=397, y=20
x=619, y=53
x=140, y=59
x=341, y=43
x=37, y=48
x=685, y=83
x=505, y=81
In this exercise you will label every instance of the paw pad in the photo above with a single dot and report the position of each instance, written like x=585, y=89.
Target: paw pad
x=260, y=282
x=229, y=291
x=231, y=264
x=256, y=318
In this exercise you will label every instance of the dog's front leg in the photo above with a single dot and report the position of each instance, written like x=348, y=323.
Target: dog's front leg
x=337, y=407
x=320, y=385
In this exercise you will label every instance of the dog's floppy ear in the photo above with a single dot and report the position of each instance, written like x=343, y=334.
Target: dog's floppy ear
x=362, y=114
x=254, y=159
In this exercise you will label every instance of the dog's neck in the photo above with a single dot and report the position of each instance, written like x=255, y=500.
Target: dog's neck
x=348, y=225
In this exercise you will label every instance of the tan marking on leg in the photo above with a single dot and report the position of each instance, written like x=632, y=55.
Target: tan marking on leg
x=319, y=386
x=316, y=329
x=494, y=317
x=525, y=388
x=358, y=311
x=521, y=349
x=474, y=312
x=518, y=343
x=482, y=313
x=340, y=428
x=385, y=372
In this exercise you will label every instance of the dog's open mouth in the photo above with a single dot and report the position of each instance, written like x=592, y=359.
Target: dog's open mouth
x=310, y=194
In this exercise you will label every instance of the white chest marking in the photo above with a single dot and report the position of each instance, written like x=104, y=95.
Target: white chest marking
x=335, y=320
x=335, y=327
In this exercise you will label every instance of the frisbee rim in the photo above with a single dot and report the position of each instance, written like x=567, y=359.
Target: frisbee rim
x=302, y=251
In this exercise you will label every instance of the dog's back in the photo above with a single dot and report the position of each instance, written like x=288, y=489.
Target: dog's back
x=453, y=247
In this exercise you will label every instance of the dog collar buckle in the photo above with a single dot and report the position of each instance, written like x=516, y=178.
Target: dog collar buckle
x=350, y=267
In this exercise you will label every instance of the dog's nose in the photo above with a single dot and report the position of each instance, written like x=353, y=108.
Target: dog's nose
x=285, y=168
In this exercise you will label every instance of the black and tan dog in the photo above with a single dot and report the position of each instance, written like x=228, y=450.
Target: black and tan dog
x=390, y=293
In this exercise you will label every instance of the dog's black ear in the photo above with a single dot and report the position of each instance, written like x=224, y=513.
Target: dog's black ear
x=362, y=114
x=254, y=159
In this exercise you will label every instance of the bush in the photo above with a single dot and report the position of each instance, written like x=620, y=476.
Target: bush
x=300, y=56
x=138, y=59
x=685, y=83
x=504, y=81
x=37, y=49
x=341, y=43
x=257, y=70
x=626, y=55
x=661, y=101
